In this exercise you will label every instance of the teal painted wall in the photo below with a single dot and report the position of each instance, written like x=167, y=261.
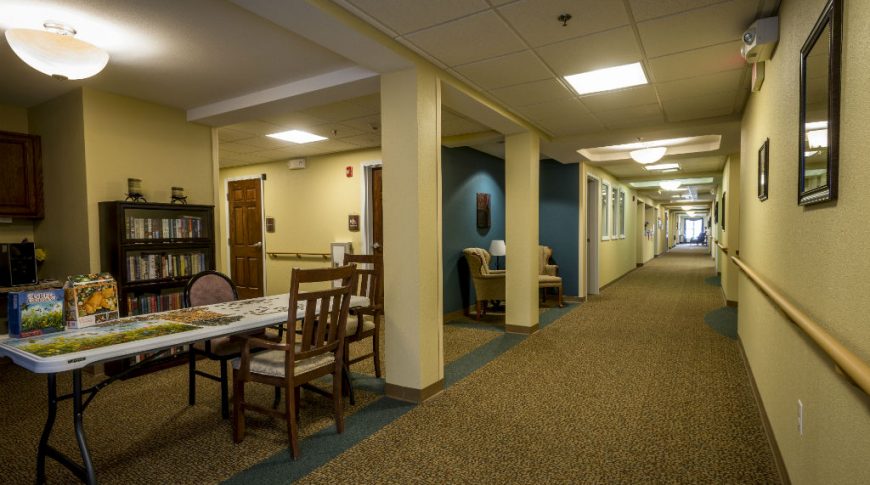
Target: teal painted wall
x=560, y=219
x=465, y=172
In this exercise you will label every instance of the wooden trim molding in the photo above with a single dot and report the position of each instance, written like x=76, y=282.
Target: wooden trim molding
x=723, y=248
x=765, y=421
x=409, y=394
x=853, y=368
x=521, y=329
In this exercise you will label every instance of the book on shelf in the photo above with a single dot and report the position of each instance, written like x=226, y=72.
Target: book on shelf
x=155, y=266
x=154, y=302
x=181, y=227
x=33, y=313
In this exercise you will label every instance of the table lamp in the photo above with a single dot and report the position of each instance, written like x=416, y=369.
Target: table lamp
x=497, y=249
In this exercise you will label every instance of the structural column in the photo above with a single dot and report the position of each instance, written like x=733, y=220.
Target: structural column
x=411, y=151
x=522, y=169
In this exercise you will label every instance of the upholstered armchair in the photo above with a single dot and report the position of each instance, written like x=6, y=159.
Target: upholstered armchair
x=548, y=273
x=488, y=283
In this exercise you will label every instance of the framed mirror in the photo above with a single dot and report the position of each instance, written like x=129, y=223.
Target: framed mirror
x=763, y=169
x=820, y=108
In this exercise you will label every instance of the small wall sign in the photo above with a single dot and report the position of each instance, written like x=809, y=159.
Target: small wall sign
x=353, y=222
x=270, y=224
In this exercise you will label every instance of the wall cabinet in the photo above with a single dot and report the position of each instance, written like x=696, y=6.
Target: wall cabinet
x=20, y=176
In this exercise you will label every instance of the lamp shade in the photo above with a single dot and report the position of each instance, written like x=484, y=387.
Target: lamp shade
x=648, y=155
x=497, y=247
x=61, y=56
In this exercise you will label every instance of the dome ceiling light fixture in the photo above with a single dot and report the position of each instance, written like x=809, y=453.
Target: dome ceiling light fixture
x=56, y=52
x=670, y=184
x=648, y=155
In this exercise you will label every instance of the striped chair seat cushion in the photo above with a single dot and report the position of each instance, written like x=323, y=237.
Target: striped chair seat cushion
x=271, y=363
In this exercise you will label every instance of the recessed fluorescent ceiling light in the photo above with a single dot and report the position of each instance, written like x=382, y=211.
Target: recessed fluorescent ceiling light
x=297, y=136
x=655, y=183
x=662, y=166
x=670, y=170
x=607, y=79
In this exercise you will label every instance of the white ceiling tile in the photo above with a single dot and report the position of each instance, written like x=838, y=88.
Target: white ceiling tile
x=532, y=93
x=239, y=148
x=718, y=58
x=263, y=142
x=403, y=16
x=366, y=124
x=295, y=120
x=454, y=124
x=577, y=124
x=335, y=131
x=698, y=107
x=367, y=140
x=468, y=39
x=697, y=86
x=620, y=99
x=702, y=27
x=630, y=117
x=517, y=68
x=230, y=135
x=537, y=20
x=596, y=51
x=648, y=9
x=340, y=111
x=559, y=108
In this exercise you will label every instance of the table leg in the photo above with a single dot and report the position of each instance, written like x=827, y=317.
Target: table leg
x=46, y=431
x=78, y=415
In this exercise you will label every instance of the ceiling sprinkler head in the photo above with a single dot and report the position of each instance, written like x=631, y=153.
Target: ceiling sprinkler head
x=564, y=18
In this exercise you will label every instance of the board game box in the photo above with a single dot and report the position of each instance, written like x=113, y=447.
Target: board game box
x=33, y=313
x=90, y=299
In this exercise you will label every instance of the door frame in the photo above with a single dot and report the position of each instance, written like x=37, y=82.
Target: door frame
x=227, y=263
x=366, y=204
x=593, y=226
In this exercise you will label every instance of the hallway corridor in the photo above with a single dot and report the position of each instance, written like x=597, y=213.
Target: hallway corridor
x=631, y=387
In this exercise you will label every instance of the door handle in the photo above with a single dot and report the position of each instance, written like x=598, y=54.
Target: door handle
x=256, y=245
x=376, y=245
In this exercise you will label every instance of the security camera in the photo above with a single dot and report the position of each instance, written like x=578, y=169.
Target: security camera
x=760, y=39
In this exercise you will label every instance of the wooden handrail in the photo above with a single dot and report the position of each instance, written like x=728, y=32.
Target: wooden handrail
x=848, y=363
x=274, y=254
x=723, y=248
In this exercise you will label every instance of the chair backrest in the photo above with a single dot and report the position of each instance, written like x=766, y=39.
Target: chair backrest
x=544, y=253
x=209, y=287
x=478, y=261
x=325, y=318
x=370, y=278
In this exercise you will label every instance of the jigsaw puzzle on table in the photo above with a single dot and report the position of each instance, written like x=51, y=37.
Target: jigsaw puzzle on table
x=94, y=337
x=258, y=306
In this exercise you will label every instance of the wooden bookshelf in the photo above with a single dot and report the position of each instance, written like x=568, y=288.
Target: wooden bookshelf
x=152, y=250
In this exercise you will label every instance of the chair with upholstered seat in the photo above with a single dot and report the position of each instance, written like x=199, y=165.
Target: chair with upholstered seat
x=548, y=274
x=489, y=284
x=318, y=351
x=367, y=323
x=208, y=288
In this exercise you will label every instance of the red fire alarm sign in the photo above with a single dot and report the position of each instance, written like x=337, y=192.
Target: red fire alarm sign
x=348, y=171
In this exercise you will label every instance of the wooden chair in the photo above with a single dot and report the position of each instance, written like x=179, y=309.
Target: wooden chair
x=370, y=285
x=207, y=288
x=319, y=351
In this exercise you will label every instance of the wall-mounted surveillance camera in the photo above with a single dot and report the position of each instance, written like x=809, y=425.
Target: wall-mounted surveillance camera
x=760, y=39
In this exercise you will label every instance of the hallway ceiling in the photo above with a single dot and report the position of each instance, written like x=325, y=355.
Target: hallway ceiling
x=257, y=66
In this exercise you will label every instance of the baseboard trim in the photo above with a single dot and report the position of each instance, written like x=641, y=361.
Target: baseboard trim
x=520, y=329
x=617, y=279
x=731, y=303
x=765, y=422
x=639, y=265
x=409, y=394
x=457, y=314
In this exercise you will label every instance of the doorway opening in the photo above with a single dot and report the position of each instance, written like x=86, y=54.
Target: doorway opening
x=593, y=188
x=372, y=208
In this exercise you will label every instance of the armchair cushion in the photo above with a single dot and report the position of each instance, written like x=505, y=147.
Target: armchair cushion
x=488, y=284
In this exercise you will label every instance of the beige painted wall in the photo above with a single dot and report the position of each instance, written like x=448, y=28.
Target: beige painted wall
x=729, y=237
x=615, y=256
x=13, y=118
x=310, y=208
x=126, y=137
x=816, y=256
x=64, y=230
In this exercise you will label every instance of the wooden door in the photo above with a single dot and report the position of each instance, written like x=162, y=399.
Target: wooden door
x=246, y=237
x=377, y=211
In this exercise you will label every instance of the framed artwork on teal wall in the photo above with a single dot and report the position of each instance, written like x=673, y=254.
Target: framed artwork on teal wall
x=483, y=215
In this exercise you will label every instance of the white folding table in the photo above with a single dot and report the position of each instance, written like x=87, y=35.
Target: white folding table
x=73, y=350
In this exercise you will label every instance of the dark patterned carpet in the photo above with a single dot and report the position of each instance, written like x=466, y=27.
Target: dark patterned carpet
x=632, y=387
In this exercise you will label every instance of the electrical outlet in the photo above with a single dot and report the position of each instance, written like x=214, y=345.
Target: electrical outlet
x=800, y=410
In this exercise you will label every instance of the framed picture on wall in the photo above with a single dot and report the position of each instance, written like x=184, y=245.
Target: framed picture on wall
x=483, y=216
x=723, y=211
x=716, y=212
x=763, y=169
